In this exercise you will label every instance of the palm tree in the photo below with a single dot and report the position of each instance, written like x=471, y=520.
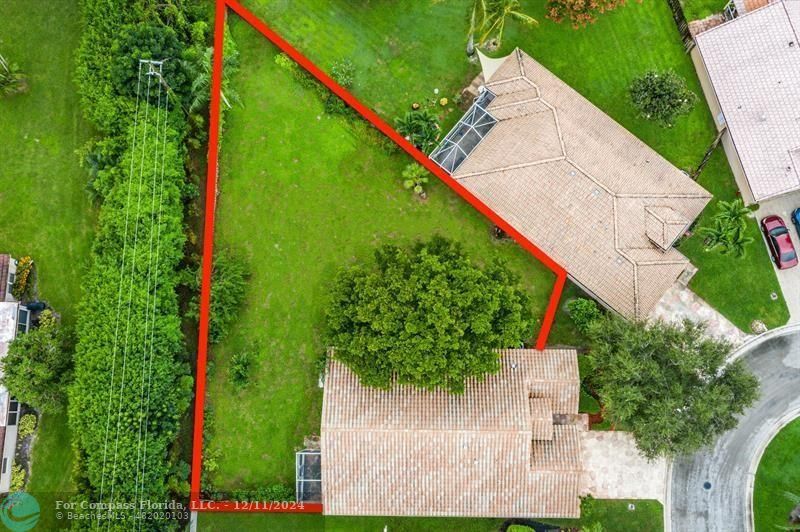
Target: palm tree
x=733, y=213
x=200, y=70
x=488, y=21
x=12, y=79
x=730, y=238
x=420, y=128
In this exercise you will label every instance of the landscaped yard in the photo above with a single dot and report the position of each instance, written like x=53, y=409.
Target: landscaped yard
x=778, y=473
x=46, y=212
x=402, y=54
x=301, y=195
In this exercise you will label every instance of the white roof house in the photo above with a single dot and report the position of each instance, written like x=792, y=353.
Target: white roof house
x=750, y=71
x=14, y=318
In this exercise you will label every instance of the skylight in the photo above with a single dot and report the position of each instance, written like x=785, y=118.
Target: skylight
x=466, y=135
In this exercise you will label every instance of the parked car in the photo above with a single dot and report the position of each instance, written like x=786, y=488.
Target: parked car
x=779, y=241
x=796, y=219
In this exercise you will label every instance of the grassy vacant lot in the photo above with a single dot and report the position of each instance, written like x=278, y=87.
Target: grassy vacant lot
x=613, y=515
x=45, y=210
x=778, y=473
x=404, y=52
x=303, y=194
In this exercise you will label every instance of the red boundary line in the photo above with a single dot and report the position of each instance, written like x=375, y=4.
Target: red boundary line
x=196, y=503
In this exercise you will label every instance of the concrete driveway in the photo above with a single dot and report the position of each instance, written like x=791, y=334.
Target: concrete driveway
x=712, y=490
x=788, y=279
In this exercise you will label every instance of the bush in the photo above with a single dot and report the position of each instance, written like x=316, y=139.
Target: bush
x=426, y=315
x=583, y=312
x=241, y=364
x=228, y=282
x=17, y=478
x=12, y=79
x=661, y=96
x=343, y=72
x=415, y=177
x=580, y=12
x=26, y=426
x=22, y=289
x=38, y=365
x=420, y=128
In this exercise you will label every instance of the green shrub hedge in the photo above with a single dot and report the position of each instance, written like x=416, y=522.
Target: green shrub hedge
x=144, y=348
x=132, y=382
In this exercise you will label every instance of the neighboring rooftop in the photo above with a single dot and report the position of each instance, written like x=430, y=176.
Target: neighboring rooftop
x=753, y=62
x=596, y=199
x=509, y=446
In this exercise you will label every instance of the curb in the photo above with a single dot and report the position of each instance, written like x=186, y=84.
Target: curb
x=761, y=338
x=784, y=420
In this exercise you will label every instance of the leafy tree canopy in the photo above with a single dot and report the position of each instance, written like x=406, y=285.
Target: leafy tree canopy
x=426, y=314
x=662, y=96
x=39, y=364
x=147, y=41
x=668, y=384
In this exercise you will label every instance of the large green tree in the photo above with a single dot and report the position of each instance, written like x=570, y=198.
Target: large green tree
x=426, y=315
x=668, y=384
x=39, y=365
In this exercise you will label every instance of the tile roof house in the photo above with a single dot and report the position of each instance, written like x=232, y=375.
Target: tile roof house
x=508, y=447
x=749, y=69
x=596, y=199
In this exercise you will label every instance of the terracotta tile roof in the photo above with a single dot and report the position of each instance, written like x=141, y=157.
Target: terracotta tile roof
x=579, y=186
x=753, y=63
x=561, y=453
x=413, y=452
x=664, y=225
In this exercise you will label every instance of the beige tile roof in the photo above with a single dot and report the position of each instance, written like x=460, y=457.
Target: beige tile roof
x=753, y=63
x=414, y=452
x=579, y=186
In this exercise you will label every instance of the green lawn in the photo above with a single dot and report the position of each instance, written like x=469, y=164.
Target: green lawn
x=614, y=515
x=778, y=473
x=51, y=477
x=700, y=9
x=404, y=52
x=301, y=196
x=45, y=212
x=747, y=298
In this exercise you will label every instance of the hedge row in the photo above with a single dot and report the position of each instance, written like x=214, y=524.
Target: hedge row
x=139, y=341
x=132, y=379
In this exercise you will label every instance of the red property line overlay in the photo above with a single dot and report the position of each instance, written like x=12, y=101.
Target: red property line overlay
x=196, y=503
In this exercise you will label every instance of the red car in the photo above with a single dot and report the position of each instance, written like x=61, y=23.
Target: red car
x=780, y=243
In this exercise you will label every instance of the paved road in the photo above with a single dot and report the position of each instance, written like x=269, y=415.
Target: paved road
x=729, y=467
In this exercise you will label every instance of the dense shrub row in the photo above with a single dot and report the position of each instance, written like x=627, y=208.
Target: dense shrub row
x=132, y=382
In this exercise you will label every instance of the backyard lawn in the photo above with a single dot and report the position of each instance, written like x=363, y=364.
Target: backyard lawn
x=46, y=212
x=778, y=473
x=402, y=54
